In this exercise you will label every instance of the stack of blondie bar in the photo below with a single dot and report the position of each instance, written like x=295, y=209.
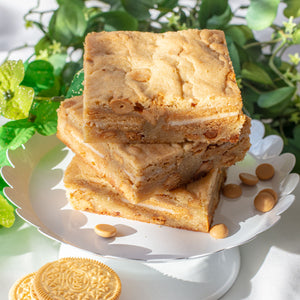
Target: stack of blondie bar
x=159, y=122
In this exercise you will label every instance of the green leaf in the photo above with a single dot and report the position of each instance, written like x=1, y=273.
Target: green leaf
x=58, y=61
x=249, y=100
x=39, y=75
x=234, y=56
x=261, y=13
x=240, y=34
x=219, y=21
x=114, y=4
x=45, y=116
x=292, y=8
x=255, y=52
x=42, y=44
x=15, y=100
x=167, y=4
x=15, y=133
x=68, y=73
x=68, y=23
x=3, y=159
x=76, y=87
x=275, y=97
x=53, y=91
x=210, y=8
x=118, y=20
x=7, y=216
x=293, y=146
x=255, y=73
x=139, y=9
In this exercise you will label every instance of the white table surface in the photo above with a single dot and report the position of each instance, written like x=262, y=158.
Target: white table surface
x=270, y=264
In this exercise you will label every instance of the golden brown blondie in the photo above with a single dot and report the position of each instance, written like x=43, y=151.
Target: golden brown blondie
x=138, y=170
x=172, y=87
x=189, y=207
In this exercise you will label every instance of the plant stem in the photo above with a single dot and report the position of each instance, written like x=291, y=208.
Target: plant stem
x=251, y=87
x=262, y=44
x=274, y=68
x=16, y=49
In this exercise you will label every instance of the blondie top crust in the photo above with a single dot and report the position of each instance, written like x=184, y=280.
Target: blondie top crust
x=137, y=170
x=143, y=87
x=190, y=207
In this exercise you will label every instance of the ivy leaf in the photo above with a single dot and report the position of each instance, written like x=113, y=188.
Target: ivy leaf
x=253, y=72
x=292, y=8
x=167, y=4
x=219, y=21
x=211, y=8
x=15, y=100
x=118, y=20
x=139, y=9
x=234, y=55
x=58, y=61
x=76, y=87
x=249, y=100
x=261, y=13
x=293, y=146
x=42, y=44
x=275, y=102
x=15, y=133
x=7, y=216
x=39, y=75
x=68, y=23
x=275, y=97
x=3, y=159
x=240, y=34
x=44, y=116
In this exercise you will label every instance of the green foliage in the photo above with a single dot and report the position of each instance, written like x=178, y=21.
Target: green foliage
x=292, y=9
x=76, y=87
x=261, y=13
x=30, y=92
x=68, y=24
x=39, y=75
x=255, y=73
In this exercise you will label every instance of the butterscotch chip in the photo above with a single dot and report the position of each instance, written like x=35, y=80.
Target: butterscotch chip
x=272, y=192
x=105, y=230
x=265, y=171
x=264, y=201
x=219, y=231
x=211, y=134
x=232, y=190
x=76, y=278
x=121, y=106
x=248, y=179
x=22, y=288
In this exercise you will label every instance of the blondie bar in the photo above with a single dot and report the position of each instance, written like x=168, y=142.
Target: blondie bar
x=189, y=207
x=138, y=170
x=172, y=87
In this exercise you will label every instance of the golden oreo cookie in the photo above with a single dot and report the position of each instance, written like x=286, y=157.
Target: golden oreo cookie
x=76, y=278
x=22, y=289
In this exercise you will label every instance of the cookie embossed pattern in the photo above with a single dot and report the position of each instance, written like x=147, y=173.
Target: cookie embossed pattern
x=37, y=190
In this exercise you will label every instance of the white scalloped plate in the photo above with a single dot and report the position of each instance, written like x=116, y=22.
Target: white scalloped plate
x=36, y=188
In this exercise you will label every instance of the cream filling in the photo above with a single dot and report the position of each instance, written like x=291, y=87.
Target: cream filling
x=196, y=120
x=79, y=140
x=170, y=211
